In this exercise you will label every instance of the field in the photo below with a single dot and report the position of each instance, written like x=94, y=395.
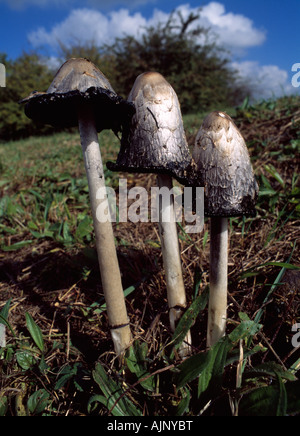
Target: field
x=58, y=348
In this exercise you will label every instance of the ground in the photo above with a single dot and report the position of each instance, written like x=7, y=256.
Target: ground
x=48, y=265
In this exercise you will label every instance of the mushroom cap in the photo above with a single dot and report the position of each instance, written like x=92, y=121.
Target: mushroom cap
x=224, y=168
x=78, y=80
x=155, y=141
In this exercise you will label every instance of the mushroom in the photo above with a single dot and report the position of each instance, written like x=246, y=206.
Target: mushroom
x=155, y=142
x=81, y=95
x=224, y=169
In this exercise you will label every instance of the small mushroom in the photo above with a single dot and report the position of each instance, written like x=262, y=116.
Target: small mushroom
x=224, y=169
x=81, y=95
x=155, y=142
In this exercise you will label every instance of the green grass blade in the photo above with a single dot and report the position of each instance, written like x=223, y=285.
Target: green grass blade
x=35, y=332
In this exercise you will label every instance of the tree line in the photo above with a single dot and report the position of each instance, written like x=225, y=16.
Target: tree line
x=197, y=68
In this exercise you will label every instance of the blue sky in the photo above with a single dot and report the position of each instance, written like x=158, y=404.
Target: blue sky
x=261, y=34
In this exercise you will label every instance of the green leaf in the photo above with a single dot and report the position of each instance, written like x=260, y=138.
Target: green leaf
x=4, y=312
x=38, y=401
x=116, y=400
x=203, y=365
x=246, y=329
x=35, y=332
x=270, y=369
x=188, y=319
x=271, y=170
x=7, y=324
x=209, y=366
x=282, y=398
x=96, y=399
x=266, y=401
x=3, y=405
x=211, y=377
x=136, y=362
x=16, y=246
x=84, y=228
x=25, y=359
x=183, y=406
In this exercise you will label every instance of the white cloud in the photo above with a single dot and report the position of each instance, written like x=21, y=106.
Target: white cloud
x=267, y=81
x=234, y=31
x=87, y=25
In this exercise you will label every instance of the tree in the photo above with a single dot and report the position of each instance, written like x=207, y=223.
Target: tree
x=23, y=76
x=184, y=54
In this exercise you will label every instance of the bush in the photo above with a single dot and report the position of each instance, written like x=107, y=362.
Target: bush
x=24, y=75
x=198, y=71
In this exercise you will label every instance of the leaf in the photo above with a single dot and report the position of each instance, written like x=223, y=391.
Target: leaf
x=35, y=332
x=202, y=365
x=4, y=312
x=16, y=246
x=282, y=398
x=211, y=378
x=188, y=319
x=96, y=399
x=116, y=402
x=7, y=324
x=84, y=228
x=66, y=232
x=209, y=366
x=3, y=405
x=183, y=406
x=270, y=369
x=66, y=374
x=271, y=170
x=135, y=361
x=266, y=401
x=246, y=329
x=25, y=359
x=38, y=401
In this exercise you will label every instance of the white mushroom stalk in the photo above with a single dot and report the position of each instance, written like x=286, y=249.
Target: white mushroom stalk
x=172, y=260
x=80, y=95
x=105, y=244
x=224, y=168
x=218, y=281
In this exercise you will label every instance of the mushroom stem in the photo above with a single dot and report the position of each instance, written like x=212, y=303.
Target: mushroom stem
x=217, y=308
x=171, y=259
x=107, y=256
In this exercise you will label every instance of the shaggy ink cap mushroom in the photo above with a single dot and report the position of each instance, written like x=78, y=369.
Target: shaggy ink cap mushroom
x=78, y=80
x=154, y=141
x=224, y=168
x=81, y=95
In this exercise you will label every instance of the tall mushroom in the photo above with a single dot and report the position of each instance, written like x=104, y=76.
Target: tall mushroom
x=225, y=171
x=155, y=143
x=81, y=95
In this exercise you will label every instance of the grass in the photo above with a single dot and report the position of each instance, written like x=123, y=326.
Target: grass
x=58, y=358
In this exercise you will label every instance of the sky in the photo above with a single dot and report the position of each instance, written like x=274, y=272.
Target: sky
x=261, y=35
